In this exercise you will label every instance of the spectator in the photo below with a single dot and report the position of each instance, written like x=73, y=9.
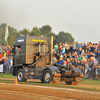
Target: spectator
x=56, y=48
x=99, y=46
x=74, y=47
x=54, y=59
x=9, y=63
x=63, y=50
x=77, y=47
x=61, y=61
x=80, y=51
x=84, y=46
x=1, y=54
x=8, y=53
x=5, y=66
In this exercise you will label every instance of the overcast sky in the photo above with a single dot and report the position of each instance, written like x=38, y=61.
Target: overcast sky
x=81, y=18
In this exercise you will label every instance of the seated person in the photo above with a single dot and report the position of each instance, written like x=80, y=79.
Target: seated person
x=79, y=63
x=54, y=59
x=74, y=64
x=61, y=61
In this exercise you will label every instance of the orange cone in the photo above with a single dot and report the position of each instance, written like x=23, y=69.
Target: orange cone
x=96, y=76
x=16, y=81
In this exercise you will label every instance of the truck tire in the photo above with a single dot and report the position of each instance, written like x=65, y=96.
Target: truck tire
x=46, y=76
x=20, y=76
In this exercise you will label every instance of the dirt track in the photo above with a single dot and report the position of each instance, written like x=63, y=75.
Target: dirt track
x=33, y=92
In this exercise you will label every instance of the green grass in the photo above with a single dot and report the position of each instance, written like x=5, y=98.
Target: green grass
x=90, y=82
x=84, y=81
x=53, y=85
x=8, y=75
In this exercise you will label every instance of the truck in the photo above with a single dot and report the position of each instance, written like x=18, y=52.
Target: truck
x=32, y=59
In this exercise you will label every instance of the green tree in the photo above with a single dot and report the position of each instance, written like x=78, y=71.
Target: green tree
x=64, y=37
x=45, y=30
x=25, y=31
x=35, y=31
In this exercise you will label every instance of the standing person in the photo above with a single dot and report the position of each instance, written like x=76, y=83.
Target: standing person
x=85, y=55
x=99, y=46
x=1, y=54
x=1, y=64
x=65, y=44
x=74, y=47
x=82, y=52
x=93, y=48
x=82, y=67
x=71, y=48
x=87, y=49
x=77, y=47
x=67, y=50
x=96, y=46
x=95, y=63
x=76, y=55
x=63, y=50
x=4, y=54
x=5, y=65
x=65, y=57
x=9, y=63
x=84, y=46
x=59, y=48
x=80, y=45
x=8, y=53
x=86, y=67
x=56, y=48
x=99, y=57
x=11, y=51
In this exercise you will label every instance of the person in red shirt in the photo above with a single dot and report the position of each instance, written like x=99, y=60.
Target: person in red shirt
x=67, y=61
x=8, y=53
x=1, y=55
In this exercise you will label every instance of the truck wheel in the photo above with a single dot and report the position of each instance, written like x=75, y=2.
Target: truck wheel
x=20, y=76
x=46, y=76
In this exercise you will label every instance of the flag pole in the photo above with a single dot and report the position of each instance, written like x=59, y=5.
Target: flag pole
x=6, y=34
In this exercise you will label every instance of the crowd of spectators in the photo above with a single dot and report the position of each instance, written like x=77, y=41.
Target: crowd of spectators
x=84, y=56
x=6, y=58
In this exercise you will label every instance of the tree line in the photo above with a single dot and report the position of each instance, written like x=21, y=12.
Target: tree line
x=45, y=30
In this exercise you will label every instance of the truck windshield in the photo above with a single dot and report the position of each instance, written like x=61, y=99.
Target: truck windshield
x=17, y=50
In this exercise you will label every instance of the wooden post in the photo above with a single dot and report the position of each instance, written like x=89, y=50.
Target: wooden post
x=51, y=48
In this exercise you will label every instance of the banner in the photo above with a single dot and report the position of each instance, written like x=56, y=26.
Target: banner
x=1, y=68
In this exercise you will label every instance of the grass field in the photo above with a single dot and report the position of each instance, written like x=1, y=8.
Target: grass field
x=84, y=81
x=3, y=75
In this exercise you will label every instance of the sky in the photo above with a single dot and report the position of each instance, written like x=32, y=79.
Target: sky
x=81, y=18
